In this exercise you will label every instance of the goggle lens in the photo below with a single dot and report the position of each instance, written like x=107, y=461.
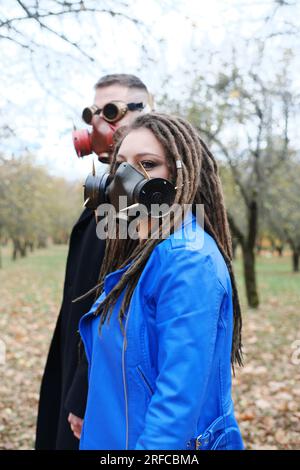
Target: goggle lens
x=110, y=111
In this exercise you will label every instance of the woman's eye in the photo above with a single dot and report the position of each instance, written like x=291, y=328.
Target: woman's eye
x=148, y=165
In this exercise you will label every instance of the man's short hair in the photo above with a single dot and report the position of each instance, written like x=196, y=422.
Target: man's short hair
x=123, y=79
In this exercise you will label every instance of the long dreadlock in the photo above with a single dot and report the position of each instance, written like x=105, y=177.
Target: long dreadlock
x=197, y=181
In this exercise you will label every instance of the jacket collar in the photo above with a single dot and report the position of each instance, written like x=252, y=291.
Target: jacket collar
x=113, y=278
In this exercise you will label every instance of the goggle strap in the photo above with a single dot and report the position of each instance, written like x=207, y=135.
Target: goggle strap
x=135, y=106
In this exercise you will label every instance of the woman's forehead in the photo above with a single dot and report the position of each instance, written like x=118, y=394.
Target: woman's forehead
x=140, y=140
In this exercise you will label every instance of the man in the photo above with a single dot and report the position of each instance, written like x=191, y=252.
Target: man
x=64, y=385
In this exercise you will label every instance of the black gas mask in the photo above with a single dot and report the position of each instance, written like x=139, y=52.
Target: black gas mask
x=129, y=186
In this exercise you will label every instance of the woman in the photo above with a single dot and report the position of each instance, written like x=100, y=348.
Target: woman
x=163, y=334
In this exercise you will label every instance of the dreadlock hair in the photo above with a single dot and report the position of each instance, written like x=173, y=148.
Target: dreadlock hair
x=197, y=181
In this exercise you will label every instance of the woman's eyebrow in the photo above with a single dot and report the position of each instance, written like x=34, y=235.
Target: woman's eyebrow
x=143, y=154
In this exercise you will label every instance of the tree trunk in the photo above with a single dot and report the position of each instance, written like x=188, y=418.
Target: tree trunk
x=250, y=276
x=296, y=256
x=15, y=249
x=42, y=242
x=249, y=257
x=279, y=249
x=30, y=246
x=19, y=248
x=248, y=245
x=23, y=250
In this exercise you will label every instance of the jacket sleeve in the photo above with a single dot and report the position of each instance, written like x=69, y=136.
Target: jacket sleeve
x=77, y=395
x=76, y=398
x=188, y=304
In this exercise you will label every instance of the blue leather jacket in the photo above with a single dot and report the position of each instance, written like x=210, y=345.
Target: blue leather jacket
x=175, y=359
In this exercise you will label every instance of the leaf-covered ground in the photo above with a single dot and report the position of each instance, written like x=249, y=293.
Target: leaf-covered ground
x=266, y=391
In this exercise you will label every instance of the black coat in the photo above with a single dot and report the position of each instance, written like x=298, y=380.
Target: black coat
x=64, y=383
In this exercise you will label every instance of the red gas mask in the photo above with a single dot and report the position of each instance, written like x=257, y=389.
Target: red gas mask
x=100, y=140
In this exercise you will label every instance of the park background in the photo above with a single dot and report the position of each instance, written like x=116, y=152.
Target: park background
x=232, y=68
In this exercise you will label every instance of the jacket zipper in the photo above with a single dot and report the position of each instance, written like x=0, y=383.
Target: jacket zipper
x=145, y=380
x=124, y=378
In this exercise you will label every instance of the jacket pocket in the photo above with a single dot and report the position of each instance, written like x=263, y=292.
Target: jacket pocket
x=230, y=439
x=146, y=382
x=222, y=434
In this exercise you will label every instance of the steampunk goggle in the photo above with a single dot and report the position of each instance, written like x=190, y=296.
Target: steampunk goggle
x=111, y=112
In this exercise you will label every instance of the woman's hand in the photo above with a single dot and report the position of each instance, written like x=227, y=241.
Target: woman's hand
x=76, y=424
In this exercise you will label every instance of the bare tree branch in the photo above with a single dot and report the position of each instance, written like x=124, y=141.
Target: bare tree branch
x=235, y=171
x=40, y=15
